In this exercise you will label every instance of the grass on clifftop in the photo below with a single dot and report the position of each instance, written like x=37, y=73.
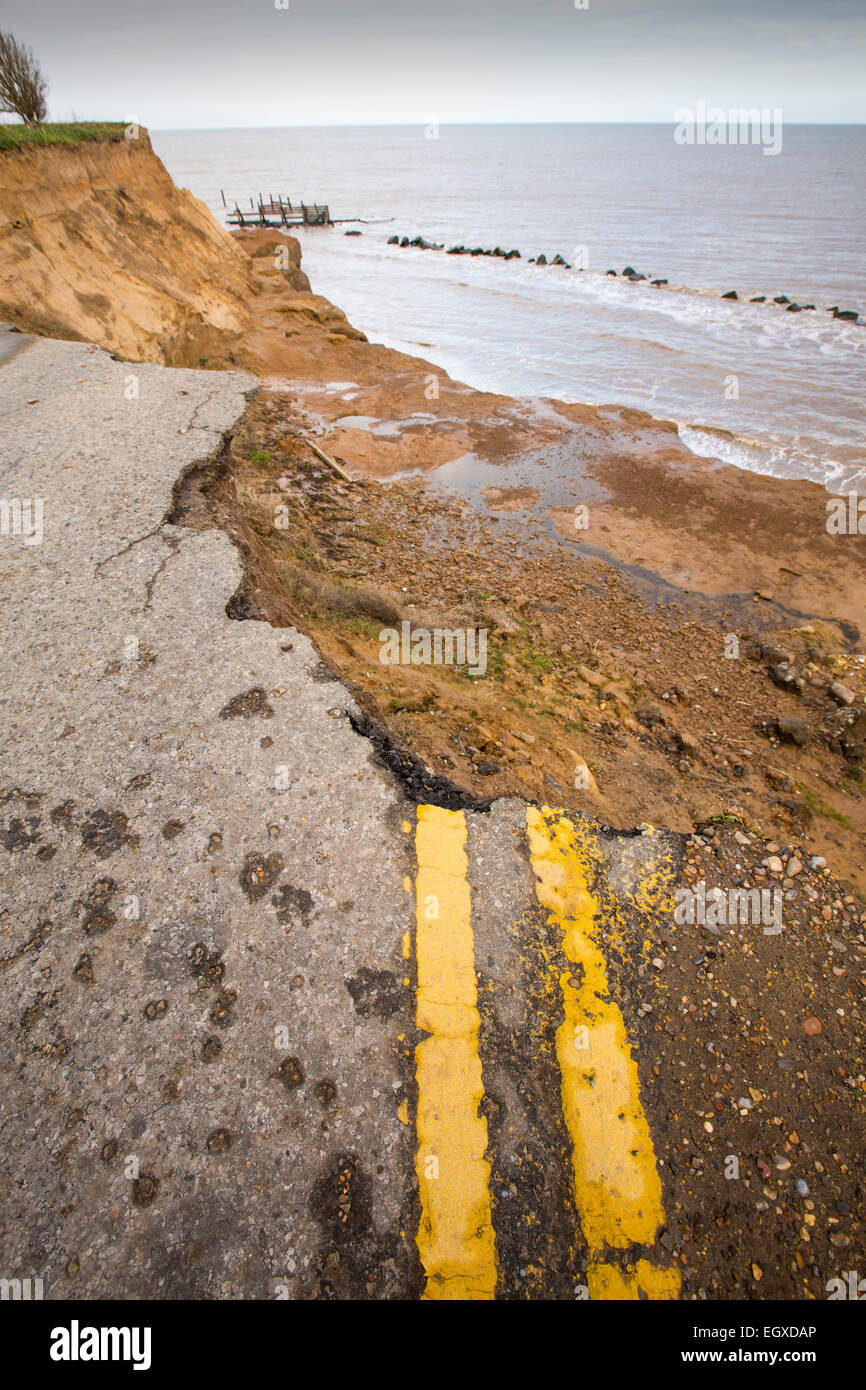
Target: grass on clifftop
x=13, y=136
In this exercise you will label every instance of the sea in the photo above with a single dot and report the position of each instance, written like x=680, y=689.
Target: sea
x=750, y=384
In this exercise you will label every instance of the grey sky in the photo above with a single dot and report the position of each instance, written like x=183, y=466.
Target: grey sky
x=193, y=63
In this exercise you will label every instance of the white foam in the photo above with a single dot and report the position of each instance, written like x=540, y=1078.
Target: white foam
x=772, y=460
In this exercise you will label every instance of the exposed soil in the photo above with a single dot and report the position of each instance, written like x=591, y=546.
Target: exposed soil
x=606, y=689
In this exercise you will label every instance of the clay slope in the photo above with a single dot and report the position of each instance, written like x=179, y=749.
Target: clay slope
x=97, y=243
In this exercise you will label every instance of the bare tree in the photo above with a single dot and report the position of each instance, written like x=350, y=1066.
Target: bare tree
x=22, y=86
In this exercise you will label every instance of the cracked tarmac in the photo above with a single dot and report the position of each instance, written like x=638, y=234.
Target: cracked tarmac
x=212, y=926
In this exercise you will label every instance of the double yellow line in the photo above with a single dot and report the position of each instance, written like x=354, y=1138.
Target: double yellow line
x=616, y=1183
x=455, y=1236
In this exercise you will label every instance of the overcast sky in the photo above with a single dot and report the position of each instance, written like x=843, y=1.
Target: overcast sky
x=223, y=63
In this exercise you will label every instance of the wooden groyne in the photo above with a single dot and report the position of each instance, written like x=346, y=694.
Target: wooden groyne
x=283, y=210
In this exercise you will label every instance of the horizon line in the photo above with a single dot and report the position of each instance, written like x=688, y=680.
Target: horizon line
x=398, y=125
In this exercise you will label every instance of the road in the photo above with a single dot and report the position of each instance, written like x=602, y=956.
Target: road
x=273, y=1027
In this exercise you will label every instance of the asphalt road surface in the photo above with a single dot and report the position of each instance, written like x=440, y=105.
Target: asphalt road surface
x=275, y=1027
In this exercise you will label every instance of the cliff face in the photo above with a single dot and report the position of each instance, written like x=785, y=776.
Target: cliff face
x=97, y=243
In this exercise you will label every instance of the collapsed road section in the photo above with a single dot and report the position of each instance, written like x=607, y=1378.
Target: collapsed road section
x=275, y=1024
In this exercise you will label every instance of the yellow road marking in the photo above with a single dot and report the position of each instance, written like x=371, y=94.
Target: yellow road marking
x=455, y=1236
x=616, y=1182
x=610, y=1282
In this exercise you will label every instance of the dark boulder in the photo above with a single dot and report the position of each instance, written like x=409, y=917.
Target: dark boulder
x=845, y=732
x=610, y=272
x=404, y=241
x=477, y=251
x=629, y=270
x=650, y=716
x=792, y=730
x=393, y=241
x=658, y=282
x=794, y=309
x=512, y=255
x=351, y=233
x=541, y=260
x=731, y=294
x=758, y=299
x=849, y=315
x=853, y=738
x=781, y=299
x=777, y=656
x=456, y=250
x=786, y=678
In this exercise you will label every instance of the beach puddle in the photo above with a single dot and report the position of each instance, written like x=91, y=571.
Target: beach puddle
x=385, y=429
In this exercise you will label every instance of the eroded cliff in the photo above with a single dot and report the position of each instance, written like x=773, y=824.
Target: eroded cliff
x=97, y=243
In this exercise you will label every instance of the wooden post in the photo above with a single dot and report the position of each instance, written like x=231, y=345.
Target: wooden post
x=332, y=463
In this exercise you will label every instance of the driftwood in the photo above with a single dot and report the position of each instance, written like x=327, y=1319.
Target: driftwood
x=326, y=458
